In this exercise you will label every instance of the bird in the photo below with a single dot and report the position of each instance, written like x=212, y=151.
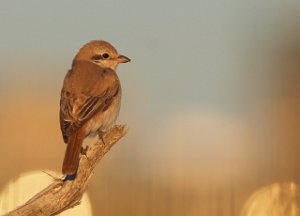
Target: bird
x=90, y=98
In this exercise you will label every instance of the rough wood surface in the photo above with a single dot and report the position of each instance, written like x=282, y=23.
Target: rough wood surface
x=62, y=195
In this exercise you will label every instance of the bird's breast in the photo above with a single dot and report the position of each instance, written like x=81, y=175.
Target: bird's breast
x=104, y=120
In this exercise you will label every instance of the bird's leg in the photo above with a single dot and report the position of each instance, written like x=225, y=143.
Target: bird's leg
x=83, y=150
x=100, y=135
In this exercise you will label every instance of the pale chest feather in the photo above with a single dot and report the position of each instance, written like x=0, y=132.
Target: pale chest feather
x=104, y=120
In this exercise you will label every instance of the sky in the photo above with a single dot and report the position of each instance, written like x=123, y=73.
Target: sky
x=197, y=45
x=212, y=85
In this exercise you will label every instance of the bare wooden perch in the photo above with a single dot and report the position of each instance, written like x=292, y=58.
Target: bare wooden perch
x=62, y=195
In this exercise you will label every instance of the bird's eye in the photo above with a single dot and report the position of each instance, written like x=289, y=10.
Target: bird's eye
x=105, y=55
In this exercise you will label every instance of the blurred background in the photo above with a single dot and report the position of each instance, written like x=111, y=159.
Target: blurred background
x=211, y=98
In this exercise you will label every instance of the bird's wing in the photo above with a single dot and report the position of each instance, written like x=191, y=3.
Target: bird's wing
x=77, y=108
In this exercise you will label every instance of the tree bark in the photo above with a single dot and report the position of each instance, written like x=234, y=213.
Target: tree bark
x=62, y=195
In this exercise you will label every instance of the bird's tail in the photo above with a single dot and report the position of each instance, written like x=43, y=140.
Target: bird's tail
x=72, y=152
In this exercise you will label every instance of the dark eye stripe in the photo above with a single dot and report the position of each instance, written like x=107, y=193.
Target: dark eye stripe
x=96, y=57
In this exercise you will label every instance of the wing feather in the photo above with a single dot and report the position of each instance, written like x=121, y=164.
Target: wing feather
x=76, y=108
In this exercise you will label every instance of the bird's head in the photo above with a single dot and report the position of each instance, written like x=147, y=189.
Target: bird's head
x=101, y=53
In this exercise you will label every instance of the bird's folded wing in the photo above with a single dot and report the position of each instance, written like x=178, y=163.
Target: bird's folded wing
x=75, y=110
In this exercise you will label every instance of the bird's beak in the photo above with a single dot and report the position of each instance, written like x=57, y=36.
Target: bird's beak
x=123, y=59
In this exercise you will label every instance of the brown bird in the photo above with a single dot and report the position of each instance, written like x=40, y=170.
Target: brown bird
x=90, y=98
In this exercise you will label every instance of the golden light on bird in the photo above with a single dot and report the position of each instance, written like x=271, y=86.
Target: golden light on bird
x=19, y=191
x=278, y=199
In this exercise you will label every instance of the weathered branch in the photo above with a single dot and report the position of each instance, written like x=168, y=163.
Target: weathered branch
x=62, y=195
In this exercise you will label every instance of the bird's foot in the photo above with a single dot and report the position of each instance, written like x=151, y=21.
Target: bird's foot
x=83, y=151
x=101, y=135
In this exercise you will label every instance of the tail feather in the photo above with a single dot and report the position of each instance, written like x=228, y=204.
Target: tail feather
x=72, y=152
